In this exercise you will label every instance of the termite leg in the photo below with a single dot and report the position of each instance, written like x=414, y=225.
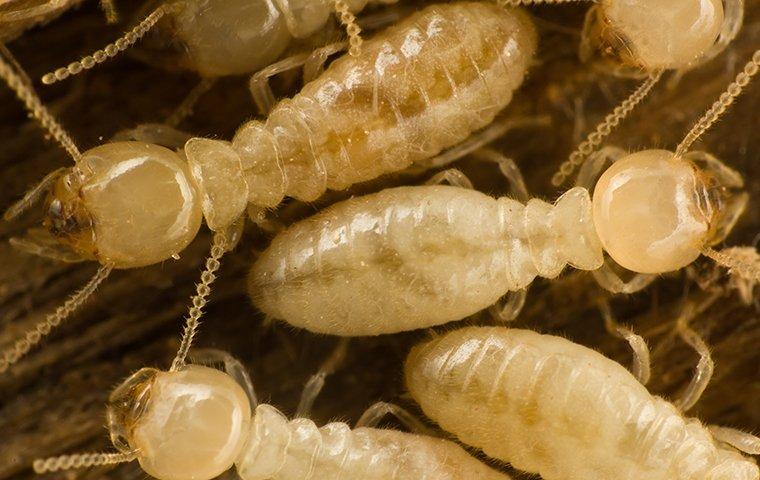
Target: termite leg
x=261, y=91
x=742, y=441
x=493, y=132
x=509, y=169
x=315, y=62
x=317, y=381
x=509, y=306
x=704, y=371
x=608, y=279
x=372, y=416
x=641, y=359
x=157, y=133
x=212, y=357
x=453, y=177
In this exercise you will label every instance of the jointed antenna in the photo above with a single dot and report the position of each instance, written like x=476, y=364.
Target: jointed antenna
x=198, y=301
x=588, y=146
x=352, y=28
x=80, y=460
x=25, y=92
x=43, y=328
x=721, y=105
x=110, y=50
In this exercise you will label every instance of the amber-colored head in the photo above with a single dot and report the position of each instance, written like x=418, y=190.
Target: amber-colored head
x=189, y=424
x=655, y=213
x=654, y=34
x=127, y=203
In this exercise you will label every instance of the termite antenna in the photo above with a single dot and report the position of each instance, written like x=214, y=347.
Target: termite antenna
x=80, y=460
x=352, y=28
x=109, y=9
x=721, y=105
x=589, y=145
x=737, y=261
x=19, y=83
x=43, y=328
x=32, y=196
x=199, y=300
x=110, y=50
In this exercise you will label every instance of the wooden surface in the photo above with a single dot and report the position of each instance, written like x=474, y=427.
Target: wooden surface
x=53, y=401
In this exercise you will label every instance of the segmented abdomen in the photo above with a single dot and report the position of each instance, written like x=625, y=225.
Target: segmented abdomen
x=414, y=257
x=416, y=88
x=280, y=449
x=552, y=407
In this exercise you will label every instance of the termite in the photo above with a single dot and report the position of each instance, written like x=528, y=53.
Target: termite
x=645, y=37
x=415, y=257
x=397, y=103
x=550, y=406
x=217, y=38
x=194, y=423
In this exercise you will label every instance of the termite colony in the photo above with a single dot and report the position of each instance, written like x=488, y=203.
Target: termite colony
x=407, y=262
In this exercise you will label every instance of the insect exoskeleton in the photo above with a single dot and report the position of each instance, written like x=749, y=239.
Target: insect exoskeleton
x=549, y=406
x=195, y=423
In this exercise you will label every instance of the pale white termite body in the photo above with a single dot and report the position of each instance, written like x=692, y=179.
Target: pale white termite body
x=552, y=407
x=415, y=89
x=412, y=257
x=195, y=423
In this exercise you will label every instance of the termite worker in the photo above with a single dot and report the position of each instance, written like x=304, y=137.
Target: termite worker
x=415, y=257
x=226, y=37
x=454, y=65
x=194, y=423
x=646, y=37
x=553, y=407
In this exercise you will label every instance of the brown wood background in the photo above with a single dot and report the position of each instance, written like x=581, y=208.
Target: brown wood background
x=53, y=401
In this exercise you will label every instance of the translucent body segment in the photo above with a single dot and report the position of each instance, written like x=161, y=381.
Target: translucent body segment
x=194, y=425
x=218, y=174
x=119, y=180
x=230, y=37
x=418, y=87
x=650, y=212
x=552, y=407
x=413, y=257
x=665, y=34
x=282, y=449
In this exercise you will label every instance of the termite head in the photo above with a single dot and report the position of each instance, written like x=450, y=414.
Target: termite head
x=655, y=212
x=129, y=204
x=652, y=34
x=189, y=424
